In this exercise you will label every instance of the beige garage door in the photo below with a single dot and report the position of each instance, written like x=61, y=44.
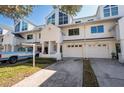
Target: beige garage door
x=72, y=50
x=97, y=51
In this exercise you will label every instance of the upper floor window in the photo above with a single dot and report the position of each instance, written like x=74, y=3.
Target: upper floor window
x=63, y=18
x=1, y=30
x=17, y=27
x=97, y=29
x=110, y=10
x=24, y=26
x=30, y=36
x=72, y=32
x=114, y=10
x=106, y=11
x=39, y=35
x=51, y=19
x=77, y=21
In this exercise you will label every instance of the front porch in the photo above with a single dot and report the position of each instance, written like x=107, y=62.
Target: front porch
x=51, y=49
x=51, y=41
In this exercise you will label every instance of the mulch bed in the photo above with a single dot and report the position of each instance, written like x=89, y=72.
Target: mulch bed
x=89, y=78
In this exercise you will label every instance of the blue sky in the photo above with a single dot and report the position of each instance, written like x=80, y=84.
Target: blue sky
x=40, y=12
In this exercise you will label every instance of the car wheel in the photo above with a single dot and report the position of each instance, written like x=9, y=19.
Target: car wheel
x=12, y=60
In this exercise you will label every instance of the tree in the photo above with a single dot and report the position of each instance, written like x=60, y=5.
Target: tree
x=15, y=12
x=69, y=9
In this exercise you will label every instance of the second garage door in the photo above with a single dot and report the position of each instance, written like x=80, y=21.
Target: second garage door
x=97, y=51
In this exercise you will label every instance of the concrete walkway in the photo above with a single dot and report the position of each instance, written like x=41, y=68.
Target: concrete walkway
x=68, y=73
x=110, y=73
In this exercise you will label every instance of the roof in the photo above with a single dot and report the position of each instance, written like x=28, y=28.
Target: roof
x=18, y=35
x=89, y=16
x=90, y=22
x=3, y=26
x=29, y=21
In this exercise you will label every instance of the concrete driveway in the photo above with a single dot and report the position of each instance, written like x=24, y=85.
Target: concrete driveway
x=68, y=73
x=109, y=73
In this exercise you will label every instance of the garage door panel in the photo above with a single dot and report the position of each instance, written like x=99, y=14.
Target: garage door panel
x=97, y=51
x=72, y=51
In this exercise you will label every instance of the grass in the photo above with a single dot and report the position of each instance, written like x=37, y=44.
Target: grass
x=11, y=74
x=89, y=78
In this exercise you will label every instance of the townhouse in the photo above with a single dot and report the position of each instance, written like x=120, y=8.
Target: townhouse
x=97, y=36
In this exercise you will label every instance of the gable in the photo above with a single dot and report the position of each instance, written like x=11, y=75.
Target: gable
x=51, y=33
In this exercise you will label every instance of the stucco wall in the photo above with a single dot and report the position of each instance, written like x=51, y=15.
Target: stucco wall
x=121, y=34
x=85, y=30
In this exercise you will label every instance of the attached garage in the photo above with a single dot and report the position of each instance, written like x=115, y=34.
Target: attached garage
x=72, y=50
x=93, y=49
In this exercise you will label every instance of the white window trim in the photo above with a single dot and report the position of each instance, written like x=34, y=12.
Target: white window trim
x=110, y=8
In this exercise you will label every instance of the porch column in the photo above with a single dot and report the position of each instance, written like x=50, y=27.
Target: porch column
x=12, y=48
x=7, y=48
x=121, y=59
x=42, y=47
x=58, y=52
x=4, y=48
x=49, y=47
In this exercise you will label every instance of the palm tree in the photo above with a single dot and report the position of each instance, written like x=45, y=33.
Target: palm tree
x=69, y=9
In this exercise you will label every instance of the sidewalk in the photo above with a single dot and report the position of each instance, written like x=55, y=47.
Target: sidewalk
x=36, y=79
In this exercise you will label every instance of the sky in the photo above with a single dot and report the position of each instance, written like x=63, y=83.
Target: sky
x=41, y=11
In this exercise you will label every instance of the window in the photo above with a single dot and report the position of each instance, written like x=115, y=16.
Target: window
x=99, y=45
x=17, y=27
x=80, y=45
x=76, y=45
x=2, y=40
x=1, y=30
x=63, y=18
x=39, y=35
x=24, y=26
x=106, y=12
x=77, y=21
x=100, y=29
x=104, y=44
x=110, y=10
x=73, y=31
x=97, y=29
x=72, y=45
x=69, y=46
x=29, y=36
x=51, y=20
x=94, y=29
x=114, y=10
x=90, y=19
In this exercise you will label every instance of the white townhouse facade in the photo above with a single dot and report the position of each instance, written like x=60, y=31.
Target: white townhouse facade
x=96, y=36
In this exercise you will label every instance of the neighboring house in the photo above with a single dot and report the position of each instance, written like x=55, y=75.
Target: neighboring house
x=95, y=36
x=4, y=29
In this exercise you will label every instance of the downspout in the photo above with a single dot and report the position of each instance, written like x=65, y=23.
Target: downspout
x=84, y=42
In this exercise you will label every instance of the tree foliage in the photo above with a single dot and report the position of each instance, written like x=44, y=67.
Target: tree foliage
x=69, y=9
x=15, y=11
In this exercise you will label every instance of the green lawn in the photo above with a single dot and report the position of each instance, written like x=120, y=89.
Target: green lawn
x=89, y=78
x=13, y=73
